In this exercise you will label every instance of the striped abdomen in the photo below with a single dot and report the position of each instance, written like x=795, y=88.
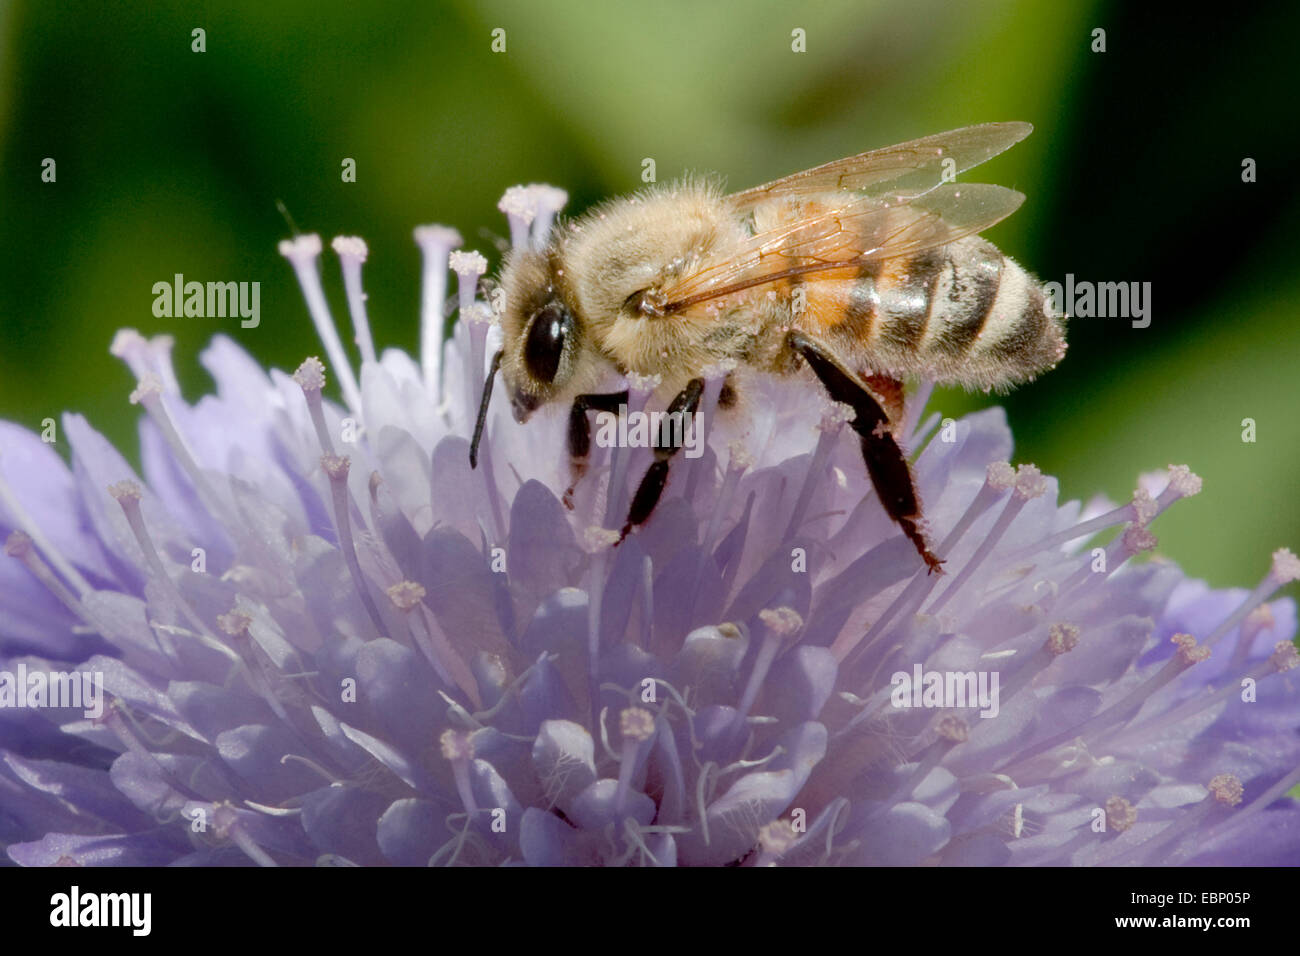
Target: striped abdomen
x=961, y=314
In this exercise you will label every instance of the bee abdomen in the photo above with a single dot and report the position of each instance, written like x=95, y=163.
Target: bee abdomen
x=985, y=320
x=960, y=314
x=968, y=285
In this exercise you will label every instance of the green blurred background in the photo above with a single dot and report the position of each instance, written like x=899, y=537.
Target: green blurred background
x=172, y=161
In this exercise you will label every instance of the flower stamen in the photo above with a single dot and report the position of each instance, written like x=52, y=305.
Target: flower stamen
x=302, y=253
x=352, y=253
x=436, y=243
x=1284, y=569
x=1030, y=484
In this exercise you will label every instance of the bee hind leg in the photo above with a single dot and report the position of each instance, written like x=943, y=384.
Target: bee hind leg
x=669, y=444
x=580, y=433
x=886, y=464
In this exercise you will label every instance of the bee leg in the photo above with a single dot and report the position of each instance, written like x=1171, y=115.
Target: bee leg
x=889, y=391
x=656, y=476
x=580, y=433
x=886, y=463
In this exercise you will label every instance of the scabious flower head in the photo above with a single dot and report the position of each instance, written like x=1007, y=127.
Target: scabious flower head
x=322, y=637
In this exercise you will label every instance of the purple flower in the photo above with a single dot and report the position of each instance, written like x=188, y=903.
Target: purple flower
x=321, y=637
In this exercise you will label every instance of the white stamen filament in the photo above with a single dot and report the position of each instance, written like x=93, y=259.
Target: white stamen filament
x=436, y=243
x=458, y=750
x=311, y=379
x=996, y=484
x=147, y=356
x=149, y=394
x=1176, y=830
x=408, y=597
x=52, y=554
x=520, y=206
x=1008, y=515
x=1085, y=582
x=302, y=254
x=336, y=469
x=127, y=494
x=637, y=725
x=1283, y=571
x=19, y=545
x=781, y=624
x=550, y=200
x=352, y=253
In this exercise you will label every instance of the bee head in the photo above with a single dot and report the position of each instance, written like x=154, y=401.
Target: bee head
x=541, y=334
x=545, y=346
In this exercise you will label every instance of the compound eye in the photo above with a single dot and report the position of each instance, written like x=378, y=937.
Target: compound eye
x=547, y=333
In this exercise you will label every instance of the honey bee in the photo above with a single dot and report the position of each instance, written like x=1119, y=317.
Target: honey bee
x=862, y=272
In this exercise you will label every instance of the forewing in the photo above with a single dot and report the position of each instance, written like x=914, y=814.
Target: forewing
x=857, y=230
x=907, y=169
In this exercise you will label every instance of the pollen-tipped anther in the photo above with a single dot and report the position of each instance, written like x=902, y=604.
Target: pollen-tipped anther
x=1062, y=638
x=125, y=490
x=468, y=266
x=1285, y=568
x=1285, y=657
x=1226, y=789
x=1000, y=476
x=456, y=746
x=234, y=622
x=1183, y=482
x=519, y=203
x=1145, y=508
x=784, y=622
x=636, y=723
x=1030, y=483
x=336, y=466
x=405, y=595
x=1138, y=539
x=953, y=729
x=310, y=375
x=1120, y=814
x=1189, y=652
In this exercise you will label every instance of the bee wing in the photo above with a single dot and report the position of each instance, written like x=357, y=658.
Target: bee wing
x=859, y=229
x=906, y=169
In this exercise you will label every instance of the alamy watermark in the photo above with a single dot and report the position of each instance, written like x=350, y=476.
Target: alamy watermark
x=213, y=300
x=1101, y=300
x=624, y=429
x=78, y=689
x=133, y=911
x=944, y=689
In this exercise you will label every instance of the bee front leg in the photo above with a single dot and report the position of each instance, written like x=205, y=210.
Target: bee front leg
x=580, y=433
x=652, y=484
x=890, y=473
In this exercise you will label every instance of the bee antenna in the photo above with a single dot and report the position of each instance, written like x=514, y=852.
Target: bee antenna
x=483, y=408
x=501, y=243
x=284, y=211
